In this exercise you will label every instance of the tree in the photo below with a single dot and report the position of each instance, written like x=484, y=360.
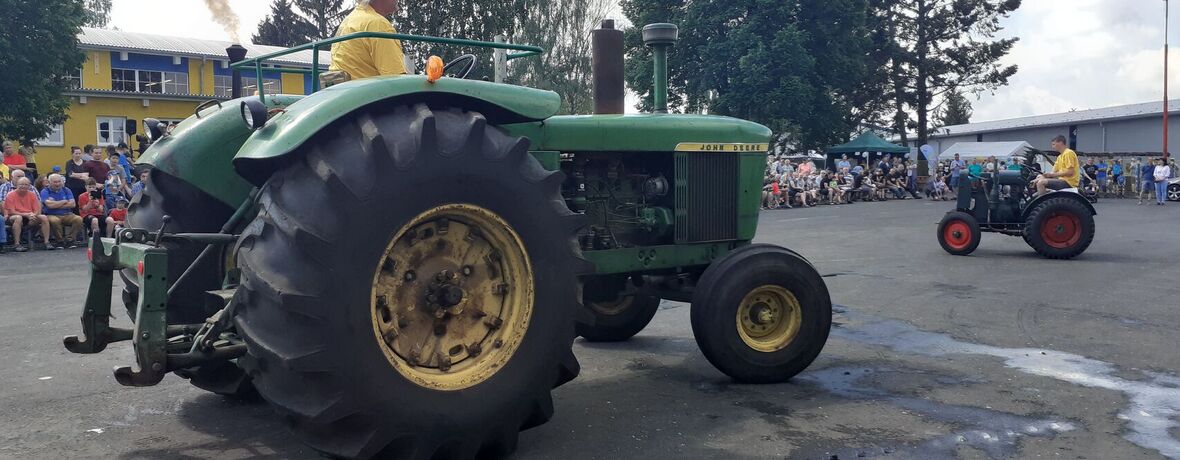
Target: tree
x=98, y=13
x=40, y=43
x=283, y=27
x=477, y=20
x=941, y=46
x=796, y=66
x=324, y=16
x=562, y=28
x=956, y=110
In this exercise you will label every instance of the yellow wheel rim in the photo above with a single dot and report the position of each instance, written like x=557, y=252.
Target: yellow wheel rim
x=452, y=297
x=768, y=318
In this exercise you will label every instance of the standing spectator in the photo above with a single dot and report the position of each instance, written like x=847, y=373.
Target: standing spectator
x=58, y=202
x=118, y=162
x=88, y=152
x=1146, y=180
x=75, y=175
x=1162, y=173
x=3, y=225
x=14, y=159
x=118, y=217
x=1172, y=167
x=1116, y=173
x=142, y=184
x=843, y=163
x=975, y=169
x=1089, y=172
x=97, y=169
x=1101, y=176
x=92, y=207
x=990, y=166
x=956, y=167
x=30, y=154
x=22, y=208
x=124, y=156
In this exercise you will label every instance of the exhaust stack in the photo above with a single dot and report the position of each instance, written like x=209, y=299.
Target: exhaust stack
x=607, y=68
x=659, y=37
x=236, y=53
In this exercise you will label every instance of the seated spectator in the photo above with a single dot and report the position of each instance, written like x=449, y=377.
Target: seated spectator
x=10, y=185
x=92, y=207
x=23, y=208
x=58, y=203
x=118, y=217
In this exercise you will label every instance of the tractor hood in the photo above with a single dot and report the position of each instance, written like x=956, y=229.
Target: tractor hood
x=286, y=131
x=643, y=133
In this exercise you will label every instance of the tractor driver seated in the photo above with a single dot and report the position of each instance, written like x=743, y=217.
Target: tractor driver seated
x=366, y=57
x=1066, y=171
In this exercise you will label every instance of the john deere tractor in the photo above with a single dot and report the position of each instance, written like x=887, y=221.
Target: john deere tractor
x=400, y=265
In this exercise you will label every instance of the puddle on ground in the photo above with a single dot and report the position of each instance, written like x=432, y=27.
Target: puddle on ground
x=1154, y=402
x=993, y=432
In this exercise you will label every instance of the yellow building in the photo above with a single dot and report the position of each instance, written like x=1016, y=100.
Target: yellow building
x=131, y=76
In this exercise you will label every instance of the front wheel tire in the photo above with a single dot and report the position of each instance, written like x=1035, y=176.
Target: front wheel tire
x=958, y=233
x=761, y=314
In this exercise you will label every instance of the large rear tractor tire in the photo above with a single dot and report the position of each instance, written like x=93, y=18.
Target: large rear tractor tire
x=761, y=314
x=958, y=233
x=190, y=210
x=1059, y=228
x=409, y=287
x=616, y=317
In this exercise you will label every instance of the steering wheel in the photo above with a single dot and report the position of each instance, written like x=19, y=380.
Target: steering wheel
x=460, y=67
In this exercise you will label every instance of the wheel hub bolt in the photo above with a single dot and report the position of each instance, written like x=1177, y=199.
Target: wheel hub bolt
x=494, y=322
x=444, y=361
x=467, y=270
x=474, y=349
x=498, y=343
x=410, y=275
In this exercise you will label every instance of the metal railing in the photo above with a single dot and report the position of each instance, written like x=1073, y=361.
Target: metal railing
x=255, y=64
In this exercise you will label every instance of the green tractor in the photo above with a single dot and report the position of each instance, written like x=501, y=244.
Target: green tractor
x=401, y=265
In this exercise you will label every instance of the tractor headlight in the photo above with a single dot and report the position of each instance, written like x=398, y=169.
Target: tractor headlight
x=254, y=113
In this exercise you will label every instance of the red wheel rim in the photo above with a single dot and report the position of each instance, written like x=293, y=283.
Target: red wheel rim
x=1061, y=230
x=957, y=235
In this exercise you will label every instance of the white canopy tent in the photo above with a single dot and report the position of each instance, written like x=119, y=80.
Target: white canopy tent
x=1003, y=151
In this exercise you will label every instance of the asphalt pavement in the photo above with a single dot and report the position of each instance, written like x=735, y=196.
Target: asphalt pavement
x=1001, y=354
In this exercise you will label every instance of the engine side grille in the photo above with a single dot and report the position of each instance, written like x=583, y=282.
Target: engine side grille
x=706, y=196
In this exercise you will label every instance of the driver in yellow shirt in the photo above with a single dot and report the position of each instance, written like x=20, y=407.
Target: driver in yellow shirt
x=1066, y=171
x=366, y=57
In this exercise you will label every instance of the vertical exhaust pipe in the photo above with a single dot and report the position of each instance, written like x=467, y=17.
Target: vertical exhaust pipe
x=236, y=53
x=606, y=64
x=659, y=37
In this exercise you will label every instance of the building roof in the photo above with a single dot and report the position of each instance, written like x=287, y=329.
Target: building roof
x=868, y=142
x=1119, y=112
x=115, y=40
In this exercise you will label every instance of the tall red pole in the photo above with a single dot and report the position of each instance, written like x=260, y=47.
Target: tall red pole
x=1165, y=81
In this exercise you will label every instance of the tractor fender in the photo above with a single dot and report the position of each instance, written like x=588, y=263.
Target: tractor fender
x=289, y=129
x=200, y=149
x=1037, y=201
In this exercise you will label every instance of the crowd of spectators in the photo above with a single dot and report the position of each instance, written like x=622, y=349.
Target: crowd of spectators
x=789, y=183
x=87, y=195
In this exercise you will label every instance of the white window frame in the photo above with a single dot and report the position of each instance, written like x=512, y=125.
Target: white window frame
x=142, y=81
x=56, y=138
x=123, y=81
x=175, y=82
x=118, y=127
x=74, y=79
x=223, y=85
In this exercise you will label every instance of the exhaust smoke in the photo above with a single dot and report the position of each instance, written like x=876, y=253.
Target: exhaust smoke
x=224, y=15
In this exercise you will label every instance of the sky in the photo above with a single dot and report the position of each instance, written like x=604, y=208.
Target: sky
x=1072, y=54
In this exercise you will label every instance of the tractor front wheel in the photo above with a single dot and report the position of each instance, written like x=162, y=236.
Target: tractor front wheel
x=409, y=287
x=958, y=233
x=1059, y=228
x=761, y=314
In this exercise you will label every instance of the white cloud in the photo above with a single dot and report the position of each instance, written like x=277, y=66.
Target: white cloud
x=185, y=18
x=1081, y=54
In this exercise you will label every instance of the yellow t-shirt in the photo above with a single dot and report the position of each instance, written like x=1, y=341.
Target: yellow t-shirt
x=1068, y=159
x=4, y=172
x=367, y=57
